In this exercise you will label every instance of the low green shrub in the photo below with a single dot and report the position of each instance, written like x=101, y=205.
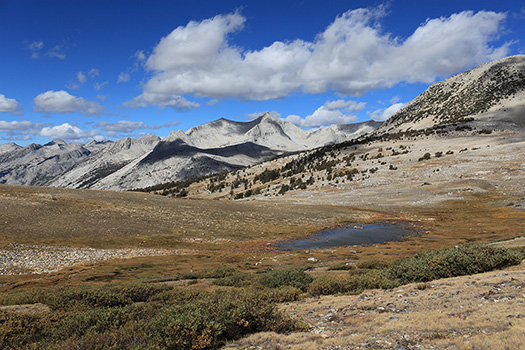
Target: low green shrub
x=202, y=320
x=351, y=284
x=327, y=285
x=285, y=277
x=237, y=280
x=458, y=261
x=423, y=267
x=374, y=264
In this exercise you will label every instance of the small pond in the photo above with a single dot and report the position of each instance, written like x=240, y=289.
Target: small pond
x=354, y=235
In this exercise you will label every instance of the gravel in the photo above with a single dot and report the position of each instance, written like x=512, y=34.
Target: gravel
x=20, y=259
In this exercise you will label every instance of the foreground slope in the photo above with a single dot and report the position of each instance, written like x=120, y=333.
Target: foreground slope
x=481, y=311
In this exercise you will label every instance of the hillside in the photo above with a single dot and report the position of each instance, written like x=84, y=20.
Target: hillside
x=491, y=93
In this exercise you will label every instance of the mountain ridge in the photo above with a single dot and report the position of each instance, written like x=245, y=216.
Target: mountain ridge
x=217, y=146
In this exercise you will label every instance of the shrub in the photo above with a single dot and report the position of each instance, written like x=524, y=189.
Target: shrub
x=458, y=261
x=351, y=284
x=423, y=267
x=328, y=285
x=208, y=322
x=189, y=320
x=426, y=156
x=237, y=280
x=286, y=277
x=374, y=264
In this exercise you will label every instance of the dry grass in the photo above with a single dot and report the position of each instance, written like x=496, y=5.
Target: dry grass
x=105, y=219
x=222, y=233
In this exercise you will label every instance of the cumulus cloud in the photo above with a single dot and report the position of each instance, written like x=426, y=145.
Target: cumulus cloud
x=62, y=102
x=383, y=114
x=332, y=112
x=67, y=131
x=9, y=105
x=352, y=55
x=19, y=130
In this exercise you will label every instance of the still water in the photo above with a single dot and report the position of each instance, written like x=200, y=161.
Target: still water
x=355, y=235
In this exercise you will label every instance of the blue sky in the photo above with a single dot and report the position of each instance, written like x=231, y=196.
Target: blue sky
x=104, y=70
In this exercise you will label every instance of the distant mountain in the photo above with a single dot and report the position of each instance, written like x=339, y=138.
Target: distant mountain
x=493, y=93
x=217, y=146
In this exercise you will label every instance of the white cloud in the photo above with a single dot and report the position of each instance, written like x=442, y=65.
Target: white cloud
x=62, y=102
x=332, y=112
x=23, y=125
x=383, y=114
x=352, y=56
x=255, y=115
x=67, y=131
x=73, y=86
x=35, y=48
x=94, y=72
x=128, y=126
x=102, y=97
x=98, y=86
x=394, y=99
x=140, y=56
x=81, y=77
x=9, y=105
x=20, y=130
x=125, y=126
x=57, y=52
x=176, y=102
x=123, y=77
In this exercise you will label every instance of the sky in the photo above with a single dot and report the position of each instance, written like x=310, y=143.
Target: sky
x=104, y=70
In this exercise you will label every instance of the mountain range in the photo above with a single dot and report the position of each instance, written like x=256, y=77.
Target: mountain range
x=491, y=96
x=218, y=146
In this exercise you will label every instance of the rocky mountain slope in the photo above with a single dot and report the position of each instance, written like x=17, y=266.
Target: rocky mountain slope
x=493, y=93
x=219, y=146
